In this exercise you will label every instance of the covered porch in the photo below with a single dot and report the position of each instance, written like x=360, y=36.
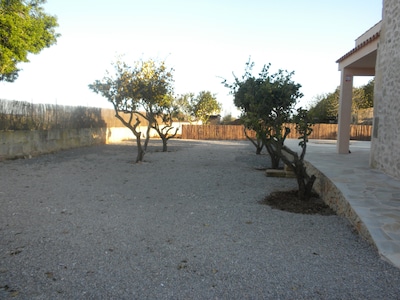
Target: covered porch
x=360, y=61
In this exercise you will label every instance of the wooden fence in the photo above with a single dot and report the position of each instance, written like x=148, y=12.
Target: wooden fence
x=236, y=132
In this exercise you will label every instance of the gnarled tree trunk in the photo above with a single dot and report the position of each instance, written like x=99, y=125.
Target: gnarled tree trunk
x=258, y=143
x=134, y=128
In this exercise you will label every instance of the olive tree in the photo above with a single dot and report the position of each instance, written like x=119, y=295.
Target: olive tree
x=266, y=103
x=143, y=91
x=292, y=159
x=159, y=115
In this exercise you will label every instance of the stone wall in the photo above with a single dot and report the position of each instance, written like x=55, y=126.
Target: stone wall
x=385, y=146
x=26, y=143
x=334, y=197
x=118, y=134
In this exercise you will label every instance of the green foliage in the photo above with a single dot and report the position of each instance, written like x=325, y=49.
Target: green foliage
x=303, y=127
x=182, y=109
x=189, y=107
x=24, y=28
x=292, y=159
x=227, y=119
x=325, y=109
x=363, y=97
x=204, y=105
x=269, y=98
x=266, y=102
x=154, y=86
x=145, y=86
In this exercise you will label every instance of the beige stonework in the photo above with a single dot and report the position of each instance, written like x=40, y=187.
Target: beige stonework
x=385, y=146
x=333, y=196
x=27, y=143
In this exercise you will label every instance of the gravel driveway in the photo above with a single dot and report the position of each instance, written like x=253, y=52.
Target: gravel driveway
x=89, y=224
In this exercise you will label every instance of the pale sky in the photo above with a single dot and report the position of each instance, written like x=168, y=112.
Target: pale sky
x=201, y=40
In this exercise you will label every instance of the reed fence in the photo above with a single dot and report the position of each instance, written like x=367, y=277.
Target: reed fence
x=236, y=132
x=21, y=115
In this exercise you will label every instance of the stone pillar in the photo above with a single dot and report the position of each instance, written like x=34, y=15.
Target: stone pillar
x=346, y=95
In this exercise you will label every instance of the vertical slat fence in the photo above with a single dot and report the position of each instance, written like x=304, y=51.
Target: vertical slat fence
x=236, y=132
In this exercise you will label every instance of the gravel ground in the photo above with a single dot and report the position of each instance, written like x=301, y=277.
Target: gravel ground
x=89, y=224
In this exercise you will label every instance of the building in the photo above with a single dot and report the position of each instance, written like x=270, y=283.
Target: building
x=376, y=53
x=385, y=146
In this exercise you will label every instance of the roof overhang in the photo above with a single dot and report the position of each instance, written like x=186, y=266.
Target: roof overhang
x=362, y=59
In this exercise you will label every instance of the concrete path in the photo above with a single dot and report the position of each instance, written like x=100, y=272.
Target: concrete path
x=373, y=195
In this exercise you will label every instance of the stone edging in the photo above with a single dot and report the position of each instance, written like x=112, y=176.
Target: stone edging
x=332, y=196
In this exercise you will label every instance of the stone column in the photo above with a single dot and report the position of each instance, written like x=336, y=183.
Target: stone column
x=346, y=95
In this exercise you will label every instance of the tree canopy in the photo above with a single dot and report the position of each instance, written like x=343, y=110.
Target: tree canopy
x=142, y=90
x=325, y=109
x=197, y=108
x=204, y=106
x=363, y=97
x=266, y=101
x=24, y=28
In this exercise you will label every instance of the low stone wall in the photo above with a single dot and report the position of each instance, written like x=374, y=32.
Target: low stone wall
x=26, y=143
x=118, y=134
x=23, y=143
x=332, y=196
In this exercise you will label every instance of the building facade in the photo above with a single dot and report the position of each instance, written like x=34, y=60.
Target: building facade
x=385, y=145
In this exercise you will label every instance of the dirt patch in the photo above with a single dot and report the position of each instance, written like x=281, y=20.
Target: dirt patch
x=288, y=201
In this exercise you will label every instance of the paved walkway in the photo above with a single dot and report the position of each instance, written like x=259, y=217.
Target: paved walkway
x=373, y=195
